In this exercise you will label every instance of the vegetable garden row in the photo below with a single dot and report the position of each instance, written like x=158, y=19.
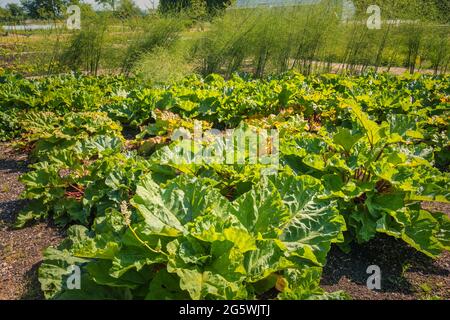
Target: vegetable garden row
x=357, y=156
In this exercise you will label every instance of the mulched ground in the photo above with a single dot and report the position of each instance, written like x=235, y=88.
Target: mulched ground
x=20, y=250
x=405, y=273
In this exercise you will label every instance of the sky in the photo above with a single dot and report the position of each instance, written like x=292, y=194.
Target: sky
x=143, y=4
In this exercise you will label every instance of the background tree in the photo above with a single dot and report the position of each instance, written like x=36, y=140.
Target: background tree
x=15, y=10
x=212, y=6
x=128, y=9
x=443, y=8
x=4, y=15
x=111, y=3
x=87, y=11
x=12, y=12
x=37, y=9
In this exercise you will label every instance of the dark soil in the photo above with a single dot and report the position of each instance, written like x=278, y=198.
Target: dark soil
x=20, y=250
x=405, y=273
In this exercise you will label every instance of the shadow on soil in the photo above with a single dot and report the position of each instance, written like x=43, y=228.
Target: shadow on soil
x=19, y=166
x=33, y=286
x=393, y=256
x=9, y=211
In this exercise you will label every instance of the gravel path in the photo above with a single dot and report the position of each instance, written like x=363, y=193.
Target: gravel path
x=20, y=250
